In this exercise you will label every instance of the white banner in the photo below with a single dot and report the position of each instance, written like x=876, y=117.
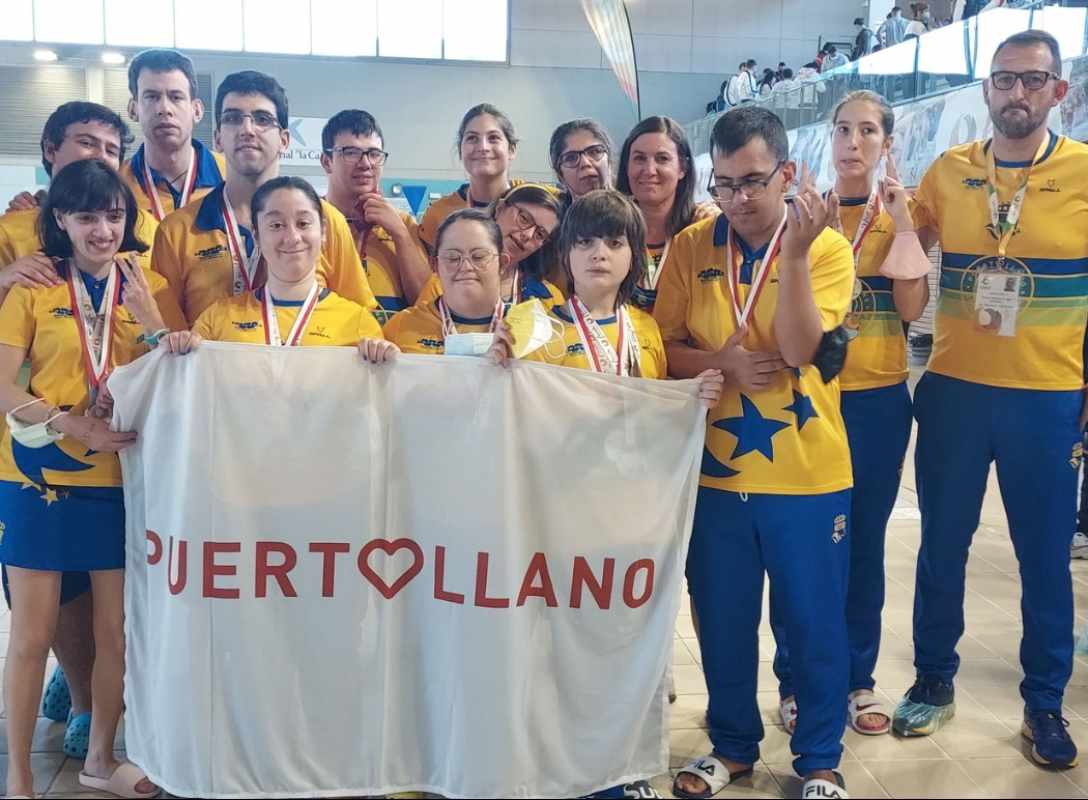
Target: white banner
x=305, y=146
x=436, y=575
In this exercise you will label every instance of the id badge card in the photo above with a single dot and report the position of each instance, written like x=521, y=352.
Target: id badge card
x=997, y=302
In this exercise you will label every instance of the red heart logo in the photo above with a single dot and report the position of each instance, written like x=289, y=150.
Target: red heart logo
x=389, y=548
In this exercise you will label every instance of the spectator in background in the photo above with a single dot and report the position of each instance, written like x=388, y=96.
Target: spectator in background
x=780, y=73
x=863, y=42
x=894, y=28
x=767, y=82
x=742, y=87
x=833, y=59
x=920, y=23
x=821, y=54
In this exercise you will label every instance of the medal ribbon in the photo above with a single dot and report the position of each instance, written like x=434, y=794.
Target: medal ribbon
x=272, y=322
x=95, y=327
x=1016, y=205
x=759, y=275
x=244, y=267
x=448, y=328
x=153, y=193
x=624, y=360
x=653, y=272
x=873, y=207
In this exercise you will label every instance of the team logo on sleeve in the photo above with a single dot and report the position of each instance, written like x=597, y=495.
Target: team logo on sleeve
x=60, y=312
x=839, y=531
x=974, y=183
x=710, y=274
x=209, y=253
x=575, y=349
x=246, y=326
x=431, y=344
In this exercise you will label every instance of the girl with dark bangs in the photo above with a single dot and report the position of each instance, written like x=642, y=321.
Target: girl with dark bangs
x=602, y=248
x=60, y=480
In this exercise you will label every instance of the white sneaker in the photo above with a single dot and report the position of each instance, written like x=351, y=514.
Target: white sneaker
x=1078, y=548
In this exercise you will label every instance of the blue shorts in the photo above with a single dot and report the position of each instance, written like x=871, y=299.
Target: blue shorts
x=72, y=585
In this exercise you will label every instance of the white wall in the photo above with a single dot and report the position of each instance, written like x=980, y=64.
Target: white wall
x=557, y=71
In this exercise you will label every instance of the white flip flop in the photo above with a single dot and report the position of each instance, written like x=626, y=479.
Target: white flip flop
x=122, y=783
x=864, y=701
x=710, y=770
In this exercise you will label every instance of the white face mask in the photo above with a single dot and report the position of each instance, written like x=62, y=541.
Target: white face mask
x=468, y=344
x=33, y=436
x=532, y=327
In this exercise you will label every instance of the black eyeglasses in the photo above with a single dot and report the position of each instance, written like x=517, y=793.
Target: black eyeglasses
x=353, y=155
x=262, y=120
x=1033, y=79
x=751, y=188
x=595, y=152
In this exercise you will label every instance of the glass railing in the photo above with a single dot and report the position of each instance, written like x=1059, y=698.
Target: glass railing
x=938, y=61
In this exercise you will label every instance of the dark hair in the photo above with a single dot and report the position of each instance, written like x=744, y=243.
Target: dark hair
x=606, y=213
x=56, y=127
x=479, y=110
x=532, y=194
x=353, y=121
x=470, y=215
x=86, y=185
x=683, y=207
x=832, y=49
x=738, y=126
x=787, y=72
x=252, y=82
x=161, y=60
x=859, y=21
x=751, y=62
x=260, y=197
x=560, y=134
x=1031, y=38
x=887, y=115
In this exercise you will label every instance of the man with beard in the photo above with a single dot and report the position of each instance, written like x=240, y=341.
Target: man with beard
x=1005, y=384
x=206, y=250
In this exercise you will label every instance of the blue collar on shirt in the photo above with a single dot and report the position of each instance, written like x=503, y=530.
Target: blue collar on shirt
x=748, y=255
x=463, y=191
x=533, y=287
x=207, y=170
x=1050, y=145
x=853, y=201
x=259, y=294
x=563, y=314
x=209, y=217
x=97, y=289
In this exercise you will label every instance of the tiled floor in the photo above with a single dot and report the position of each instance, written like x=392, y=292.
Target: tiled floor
x=979, y=754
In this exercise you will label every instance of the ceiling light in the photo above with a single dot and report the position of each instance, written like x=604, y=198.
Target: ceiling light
x=110, y=57
x=45, y=55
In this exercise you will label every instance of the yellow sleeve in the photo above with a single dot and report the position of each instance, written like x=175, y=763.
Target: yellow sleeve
x=166, y=261
x=346, y=276
x=7, y=248
x=651, y=349
x=557, y=298
x=167, y=301
x=145, y=230
x=673, y=292
x=369, y=327
x=430, y=292
x=17, y=318
x=924, y=207
x=392, y=330
x=207, y=324
x=427, y=228
x=832, y=277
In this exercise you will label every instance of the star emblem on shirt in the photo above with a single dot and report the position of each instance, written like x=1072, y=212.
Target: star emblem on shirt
x=753, y=430
x=802, y=407
x=50, y=496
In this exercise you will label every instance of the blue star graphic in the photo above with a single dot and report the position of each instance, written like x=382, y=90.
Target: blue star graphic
x=802, y=407
x=713, y=468
x=752, y=429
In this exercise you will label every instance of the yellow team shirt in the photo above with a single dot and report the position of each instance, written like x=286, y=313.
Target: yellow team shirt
x=1047, y=258
x=19, y=235
x=335, y=322
x=528, y=288
x=40, y=322
x=419, y=329
x=568, y=350
x=379, y=257
x=441, y=208
x=788, y=438
x=192, y=253
x=877, y=355
x=210, y=170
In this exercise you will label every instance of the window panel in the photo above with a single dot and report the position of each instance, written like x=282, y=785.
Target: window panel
x=1064, y=24
x=410, y=30
x=277, y=26
x=994, y=27
x=475, y=30
x=18, y=21
x=344, y=29
x=208, y=24
x=140, y=23
x=75, y=21
x=897, y=60
x=942, y=51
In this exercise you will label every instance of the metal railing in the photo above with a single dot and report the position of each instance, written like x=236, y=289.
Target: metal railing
x=937, y=61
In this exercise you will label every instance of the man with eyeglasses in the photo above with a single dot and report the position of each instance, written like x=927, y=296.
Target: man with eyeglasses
x=395, y=264
x=206, y=250
x=1004, y=385
x=752, y=292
